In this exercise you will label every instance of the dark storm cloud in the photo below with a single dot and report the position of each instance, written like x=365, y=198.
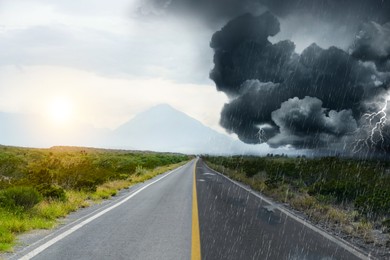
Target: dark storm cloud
x=246, y=53
x=310, y=100
x=253, y=107
x=372, y=43
x=214, y=10
x=210, y=10
x=305, y=123
x=242, y=49
x=341, y=9
x=316, y=99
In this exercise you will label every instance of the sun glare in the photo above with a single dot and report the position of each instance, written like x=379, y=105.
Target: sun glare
x=60, y=110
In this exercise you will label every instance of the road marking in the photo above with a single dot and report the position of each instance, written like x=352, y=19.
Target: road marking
x=61, y=236
x=195, y=244
x=342, y=243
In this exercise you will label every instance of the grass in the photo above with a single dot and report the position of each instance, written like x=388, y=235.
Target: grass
x=14, y=223
x=44, y=215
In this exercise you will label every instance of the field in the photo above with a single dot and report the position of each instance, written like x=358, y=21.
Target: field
x=348, y=196
x=37, y=186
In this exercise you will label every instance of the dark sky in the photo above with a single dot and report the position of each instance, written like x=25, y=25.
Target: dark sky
x=330, y=94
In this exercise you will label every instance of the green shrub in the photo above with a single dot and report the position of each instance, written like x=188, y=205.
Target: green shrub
x=374, y=203
x=20, y=197
x=122, y=176
x=52, y=191
x=86, y=185
x=273, y=182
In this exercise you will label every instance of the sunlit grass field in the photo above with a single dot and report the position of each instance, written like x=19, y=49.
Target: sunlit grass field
x=38, y=186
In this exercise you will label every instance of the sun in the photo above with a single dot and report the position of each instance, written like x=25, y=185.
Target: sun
x=60, y=110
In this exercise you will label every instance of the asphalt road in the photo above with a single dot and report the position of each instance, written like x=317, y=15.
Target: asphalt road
x=153, y=224
x=236, y=224
x=160, y=220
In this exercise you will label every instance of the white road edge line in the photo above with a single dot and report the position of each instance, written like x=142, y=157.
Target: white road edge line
x=61, y=236
x=344, y=244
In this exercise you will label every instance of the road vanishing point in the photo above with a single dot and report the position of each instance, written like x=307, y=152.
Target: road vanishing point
x=192, y=213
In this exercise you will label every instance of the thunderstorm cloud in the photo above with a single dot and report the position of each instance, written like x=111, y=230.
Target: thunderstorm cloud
x=309, y=100
x=327, y=94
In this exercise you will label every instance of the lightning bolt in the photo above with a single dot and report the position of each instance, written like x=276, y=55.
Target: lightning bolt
x=376, y=123
x=262, y=136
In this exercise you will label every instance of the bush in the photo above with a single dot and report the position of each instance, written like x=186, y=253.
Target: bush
x=52, y=191
x=86, y=185
x=20, y=197
x=374, y=203
x=273, y=182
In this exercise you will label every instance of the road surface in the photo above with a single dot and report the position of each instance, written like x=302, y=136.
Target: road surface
x=174, y=217
x=236, y=224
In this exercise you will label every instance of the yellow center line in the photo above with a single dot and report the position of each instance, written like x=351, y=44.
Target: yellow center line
x=195, y=244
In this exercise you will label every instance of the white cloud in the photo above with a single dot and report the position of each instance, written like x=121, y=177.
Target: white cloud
x=114, y=43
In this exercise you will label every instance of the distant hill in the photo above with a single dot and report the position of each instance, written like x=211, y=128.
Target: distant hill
x=163, y=128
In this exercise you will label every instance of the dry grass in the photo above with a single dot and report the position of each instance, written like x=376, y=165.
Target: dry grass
x=364, y=229
x=303, y=202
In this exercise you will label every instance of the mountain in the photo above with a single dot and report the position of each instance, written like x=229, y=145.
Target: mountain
x=163, y=128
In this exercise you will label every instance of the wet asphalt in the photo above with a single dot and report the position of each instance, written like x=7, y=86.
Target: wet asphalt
x=236, y=224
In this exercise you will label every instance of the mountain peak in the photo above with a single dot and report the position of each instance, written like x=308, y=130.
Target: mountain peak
x=160, y=109
x=163, y=114
x=164, y=128
x=161, y=117
x=162, y=106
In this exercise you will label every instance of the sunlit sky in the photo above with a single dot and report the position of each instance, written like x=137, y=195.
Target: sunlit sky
x=71, y=71
x=89, y=62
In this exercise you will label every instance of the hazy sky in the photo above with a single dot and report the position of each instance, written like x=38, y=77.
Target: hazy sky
x=300, y=74
x=105, y=62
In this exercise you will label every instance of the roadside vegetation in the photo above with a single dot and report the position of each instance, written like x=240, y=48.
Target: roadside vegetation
x=347, y=196
x=37, y=186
